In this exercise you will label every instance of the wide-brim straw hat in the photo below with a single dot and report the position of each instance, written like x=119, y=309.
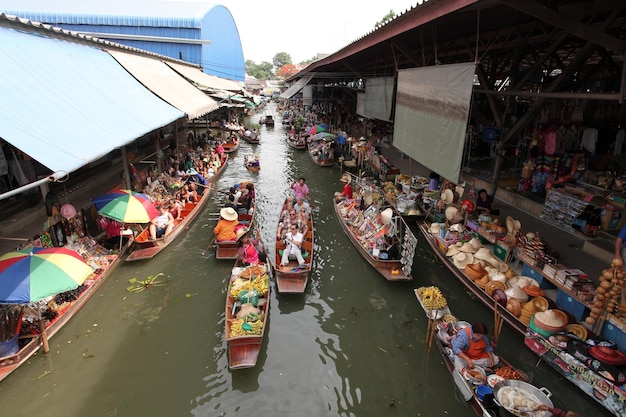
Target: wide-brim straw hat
x=386, y=215
x=239, y=233
x=483, y=254
x=229, y=214
x=434, y=228
x=346, y=178
x=467, y=247
x=447, y=196
x=451, y=213
x=452, y=250
x=475, y=242
x=462, y=259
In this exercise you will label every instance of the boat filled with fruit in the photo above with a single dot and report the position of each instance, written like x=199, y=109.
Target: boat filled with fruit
x=247, y=309
x=499, y=390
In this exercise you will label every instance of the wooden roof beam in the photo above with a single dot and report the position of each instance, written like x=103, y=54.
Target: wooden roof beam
x=575, y=27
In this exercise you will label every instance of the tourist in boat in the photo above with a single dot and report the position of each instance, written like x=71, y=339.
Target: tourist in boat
x=176, y=208
x=244, y=202
x=346, y=193
x=302, y=206
x=392, y=250
x=293, y=246
x=236, y=193
x=300, y=188
x=219, y=149
x=248, y=253
x=471, y=348
x=230, y=202
x=162, y=224
x=250, y=189
x=225, y=228
x=291, y=218
x=187, y=195
x=484, y=204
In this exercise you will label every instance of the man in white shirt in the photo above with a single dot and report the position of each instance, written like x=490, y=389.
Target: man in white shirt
x=293, y=242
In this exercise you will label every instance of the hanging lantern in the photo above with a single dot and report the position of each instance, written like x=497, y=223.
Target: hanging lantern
x=68, y=211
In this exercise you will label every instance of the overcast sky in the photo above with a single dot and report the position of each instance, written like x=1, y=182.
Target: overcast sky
x=305, y=28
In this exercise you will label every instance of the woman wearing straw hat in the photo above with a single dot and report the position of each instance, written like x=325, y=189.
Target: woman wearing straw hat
x=225, y=228
x=346, y=193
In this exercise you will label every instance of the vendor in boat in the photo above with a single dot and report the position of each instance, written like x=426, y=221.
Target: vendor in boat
x=392, y=251
x=346, y=193
x=471, y=347
x=113, y=232
x=162, y=224
x=300, y=188
x=484, y=204
x=225, y=228
x=248, y=253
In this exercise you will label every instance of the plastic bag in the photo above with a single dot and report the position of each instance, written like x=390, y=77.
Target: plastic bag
x=249, y=296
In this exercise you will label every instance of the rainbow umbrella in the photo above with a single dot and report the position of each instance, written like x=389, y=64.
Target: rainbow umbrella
x=30, y=275
x=317, y=129
x=126, y=206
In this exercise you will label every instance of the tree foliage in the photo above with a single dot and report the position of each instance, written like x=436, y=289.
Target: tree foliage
x=287, y=70
x=280, y=59
x=262, y=71
x=389, y=16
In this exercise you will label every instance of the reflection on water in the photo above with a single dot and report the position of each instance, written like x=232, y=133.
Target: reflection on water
x=352, y=345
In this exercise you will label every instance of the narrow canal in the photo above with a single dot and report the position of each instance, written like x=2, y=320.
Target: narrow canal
x=352, y=345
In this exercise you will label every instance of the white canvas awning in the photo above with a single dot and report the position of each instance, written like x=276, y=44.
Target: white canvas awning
x=296, y=87
x=204, y=80
x=167, y=84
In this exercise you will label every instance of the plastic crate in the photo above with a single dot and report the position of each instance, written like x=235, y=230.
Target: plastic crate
x=571, y=305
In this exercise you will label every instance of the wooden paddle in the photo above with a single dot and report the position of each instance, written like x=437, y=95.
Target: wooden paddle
x=208, y=246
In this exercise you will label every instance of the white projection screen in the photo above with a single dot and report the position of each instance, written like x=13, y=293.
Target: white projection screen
x=379, y=98
x=432, y=108
x=360, y=104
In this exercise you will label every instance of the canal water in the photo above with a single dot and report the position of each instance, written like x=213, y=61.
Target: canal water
x=352, y=345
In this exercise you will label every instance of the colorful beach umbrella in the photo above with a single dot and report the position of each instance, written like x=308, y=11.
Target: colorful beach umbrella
x=30, y=275
x=317, y=129
x=323, y=136
x=126, y=206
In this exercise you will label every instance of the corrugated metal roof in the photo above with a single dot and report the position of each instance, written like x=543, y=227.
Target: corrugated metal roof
x=111, y=12
x=67, y=104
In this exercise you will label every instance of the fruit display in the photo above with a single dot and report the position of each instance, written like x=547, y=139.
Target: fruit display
x=432, y=298
x=609, y=292
x=241, y=327
x=260, y=283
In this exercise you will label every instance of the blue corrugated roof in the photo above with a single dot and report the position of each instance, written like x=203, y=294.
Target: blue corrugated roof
x=111, y=12
x=66, y=104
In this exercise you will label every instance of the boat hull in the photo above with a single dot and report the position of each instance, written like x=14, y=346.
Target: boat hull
x=10, y=363
x=292, y=278
x=384, y=267
x=144, y=248
x=244, y=350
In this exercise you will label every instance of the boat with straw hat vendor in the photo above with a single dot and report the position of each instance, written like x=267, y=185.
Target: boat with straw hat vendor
x=347, y=192
x=225, y=228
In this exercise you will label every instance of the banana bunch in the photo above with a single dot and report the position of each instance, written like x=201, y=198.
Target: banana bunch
x=432, y=298
x=236, y=329
x=261, y=283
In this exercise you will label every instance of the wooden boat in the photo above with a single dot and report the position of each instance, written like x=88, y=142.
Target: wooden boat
x=293, y=278
x=602, y=390
x=439, y=323
x=322, y=153
x=252, y=163
x=480, y=293
x=31, y=343
x=244, y=335
x=296, y=141
x=144, y=248
x=269, y=120
x=365, y=230
x=229, y=249
x=253, y=138
x=231, y=144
